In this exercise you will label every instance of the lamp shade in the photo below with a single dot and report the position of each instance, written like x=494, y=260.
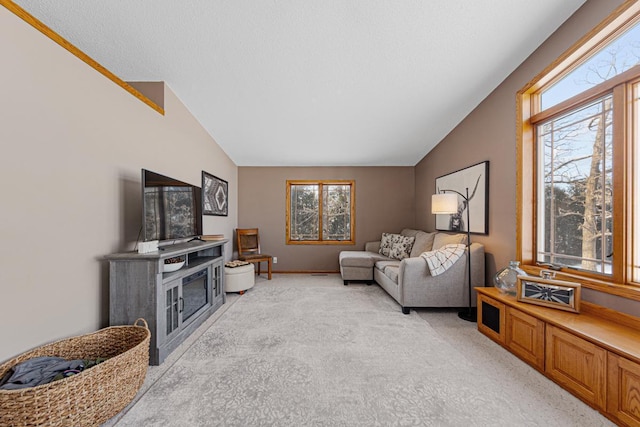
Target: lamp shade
x=444, y=203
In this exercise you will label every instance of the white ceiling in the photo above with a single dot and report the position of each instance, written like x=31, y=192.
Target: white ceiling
x=314, y=82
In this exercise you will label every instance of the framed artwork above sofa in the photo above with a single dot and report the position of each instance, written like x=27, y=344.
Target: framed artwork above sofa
x=475, y=179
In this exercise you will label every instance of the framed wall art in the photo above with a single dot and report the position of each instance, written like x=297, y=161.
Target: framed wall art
x=476, y=179
x=215, y=195
x=549, y=293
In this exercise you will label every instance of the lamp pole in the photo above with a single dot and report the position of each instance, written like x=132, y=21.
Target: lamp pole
x=469, y=315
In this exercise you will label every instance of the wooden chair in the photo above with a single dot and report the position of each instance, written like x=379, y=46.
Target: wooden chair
x=248, y=240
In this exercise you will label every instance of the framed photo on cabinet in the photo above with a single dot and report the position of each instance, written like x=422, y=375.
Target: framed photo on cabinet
x=549, y=293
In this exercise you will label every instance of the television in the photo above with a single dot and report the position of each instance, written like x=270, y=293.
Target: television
x=171, y=209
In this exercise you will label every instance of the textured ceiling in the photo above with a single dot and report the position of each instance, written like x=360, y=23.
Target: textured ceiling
x=309, y=82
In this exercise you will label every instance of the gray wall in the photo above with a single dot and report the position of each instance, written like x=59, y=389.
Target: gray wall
x=384, y=202
x=73, y=144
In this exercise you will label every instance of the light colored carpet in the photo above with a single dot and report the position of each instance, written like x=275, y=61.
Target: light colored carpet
x=303, y=350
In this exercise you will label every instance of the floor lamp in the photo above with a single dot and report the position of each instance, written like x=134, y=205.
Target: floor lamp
x=446, y=203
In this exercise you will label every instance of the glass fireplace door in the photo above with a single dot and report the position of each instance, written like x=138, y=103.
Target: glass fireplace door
x=195, y=293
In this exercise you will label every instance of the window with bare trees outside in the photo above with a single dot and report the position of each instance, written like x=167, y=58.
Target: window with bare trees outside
x=578, y=160
x=320, y=212
x=575, y=209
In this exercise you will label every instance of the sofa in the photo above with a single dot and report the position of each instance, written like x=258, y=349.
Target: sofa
x=405, y=274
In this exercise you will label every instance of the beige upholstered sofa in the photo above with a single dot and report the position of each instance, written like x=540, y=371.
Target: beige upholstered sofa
x=409, y=280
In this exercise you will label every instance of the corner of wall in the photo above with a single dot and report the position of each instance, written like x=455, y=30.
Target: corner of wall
x=152, y=90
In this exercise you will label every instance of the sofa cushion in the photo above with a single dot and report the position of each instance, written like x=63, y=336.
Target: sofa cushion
x=382, y=264
x=396, y=246
x=410, y=232
x=442, y=239
x=358, y=259
x=391, y=271
x=372, y=247
x=423, y=241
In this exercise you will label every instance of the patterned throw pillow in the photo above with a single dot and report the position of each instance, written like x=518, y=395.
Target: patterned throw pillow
x=385, y=244
x=396, y=246
x=401, y=249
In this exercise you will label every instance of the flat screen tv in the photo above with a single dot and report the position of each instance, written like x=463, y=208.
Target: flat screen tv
x=171, y=209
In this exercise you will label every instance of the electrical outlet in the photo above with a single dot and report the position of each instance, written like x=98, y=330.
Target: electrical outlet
x=275, y=259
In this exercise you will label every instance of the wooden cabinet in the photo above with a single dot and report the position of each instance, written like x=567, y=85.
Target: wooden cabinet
x=623, y=393
x=519, y=332
x=594, y=354
x=525, y=337
x=577, y=365
x=173, y=303
x=491, y=318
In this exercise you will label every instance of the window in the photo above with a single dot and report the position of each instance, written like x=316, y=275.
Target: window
x=575, y=207
x=615, y=58
x=579, y=161
x=320, y=212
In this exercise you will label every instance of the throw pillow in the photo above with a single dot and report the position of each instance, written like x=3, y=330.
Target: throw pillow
x=395, y=245
x=385, y=244
x=401, y=248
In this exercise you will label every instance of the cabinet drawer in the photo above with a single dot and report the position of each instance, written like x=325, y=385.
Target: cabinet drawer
x=623, y=394
x=577, y=365
x=525, y=337
x=491, y=318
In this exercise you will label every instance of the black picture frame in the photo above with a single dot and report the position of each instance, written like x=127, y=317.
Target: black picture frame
x=476, y=179
x=215, y=195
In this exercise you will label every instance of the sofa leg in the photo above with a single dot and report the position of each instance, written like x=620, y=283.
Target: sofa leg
x=345, y=282
x=405, y=310
x=369, y=283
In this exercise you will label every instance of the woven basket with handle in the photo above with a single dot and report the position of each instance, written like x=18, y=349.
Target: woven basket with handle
x=90, y=397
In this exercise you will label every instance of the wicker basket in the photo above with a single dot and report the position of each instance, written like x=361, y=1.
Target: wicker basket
x=90, y=397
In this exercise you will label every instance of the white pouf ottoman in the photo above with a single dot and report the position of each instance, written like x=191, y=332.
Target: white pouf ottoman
x=239, y=279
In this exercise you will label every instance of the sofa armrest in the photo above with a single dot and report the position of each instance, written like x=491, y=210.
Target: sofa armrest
x=372, y=246
x=419, y=288
x=477, y=265
x=415, y=270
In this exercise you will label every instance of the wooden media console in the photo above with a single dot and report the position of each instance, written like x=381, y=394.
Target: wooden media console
x=594, y=354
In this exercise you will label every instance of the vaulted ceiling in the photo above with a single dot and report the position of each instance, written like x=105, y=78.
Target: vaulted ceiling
x=309, y=82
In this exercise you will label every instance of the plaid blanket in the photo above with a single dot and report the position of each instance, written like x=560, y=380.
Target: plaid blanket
x=441, y=259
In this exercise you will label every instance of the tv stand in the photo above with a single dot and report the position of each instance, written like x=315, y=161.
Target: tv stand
x=175, y=303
